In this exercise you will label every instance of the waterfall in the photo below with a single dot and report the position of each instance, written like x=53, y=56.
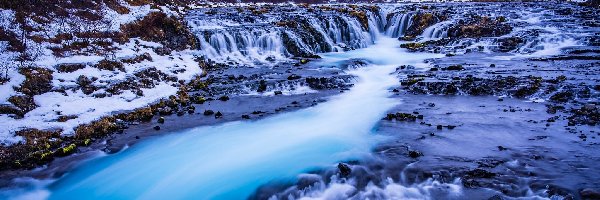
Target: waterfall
x=244, y=42
x=437, y=31
x=398, y=24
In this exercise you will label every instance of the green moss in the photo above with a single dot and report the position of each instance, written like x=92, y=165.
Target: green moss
x=46, y=155
x=87, y=142
x=69, y=149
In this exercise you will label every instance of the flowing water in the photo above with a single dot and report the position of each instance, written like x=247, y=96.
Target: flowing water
x=230, y=161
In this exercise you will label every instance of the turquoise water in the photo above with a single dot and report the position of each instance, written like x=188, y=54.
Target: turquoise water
x=230, y=161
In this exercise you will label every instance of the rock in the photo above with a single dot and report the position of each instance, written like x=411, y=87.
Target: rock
x=262, y=86
x=480, y=173
x=501, y=148
x=245, y=116
x=344, y=169
x=563, y=97
x=278, y=92
x=412, y=46
x=157, y=128
x=478, y=26
x=439, y=127
x=294, y=77
x=510, y=43
x=165, y=111
x=455, y=67
x=209, y=112
x=224, y=98
x=161, y=120
x=589, y=193
x=414, y=154
x=218, y=115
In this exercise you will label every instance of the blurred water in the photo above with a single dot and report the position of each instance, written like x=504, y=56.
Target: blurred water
x=230, y=161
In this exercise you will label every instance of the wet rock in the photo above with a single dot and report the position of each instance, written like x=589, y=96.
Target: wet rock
x=412, y=46
x=477, y=26
x=245, y=116
x=278, y=92
x=480, y=173
x=209, y=112
x=157, y=128
x=588, y=114
x=262, y=86
x=161, y=120
x=294, y=77
x=401, y=116
x=414, y=154
x=344, y=169
x=509, y=43
x=421, y=21
x=165, y=111
x=224, y=98
x=563, y=97
x=455, y=68
x=218, y=115
x=589, y=193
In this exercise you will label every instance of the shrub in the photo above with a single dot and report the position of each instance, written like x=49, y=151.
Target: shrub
x=159, y=27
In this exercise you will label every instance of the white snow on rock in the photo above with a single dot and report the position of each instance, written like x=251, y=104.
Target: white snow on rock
x=88, y=108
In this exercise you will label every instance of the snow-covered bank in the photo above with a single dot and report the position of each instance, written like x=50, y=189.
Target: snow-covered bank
x=51, y=44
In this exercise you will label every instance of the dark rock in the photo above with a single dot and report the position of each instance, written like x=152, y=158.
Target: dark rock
x=344, y=169
x=455, y=68
x=157, y=128
x=161, y=120
x=480, y=173
x=245, y=116
x=294, y=77
x=224, y=98
x=278, y=92
x=589, y=193
x=209, y=112
x=218, y=115
x=414, y=154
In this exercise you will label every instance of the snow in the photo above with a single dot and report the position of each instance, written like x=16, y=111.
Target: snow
x=135, y=13
x=88, y=108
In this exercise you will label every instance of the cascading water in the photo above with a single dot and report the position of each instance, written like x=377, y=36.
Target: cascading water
x=398, y=24
x=298, y=35
x=436, y=31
